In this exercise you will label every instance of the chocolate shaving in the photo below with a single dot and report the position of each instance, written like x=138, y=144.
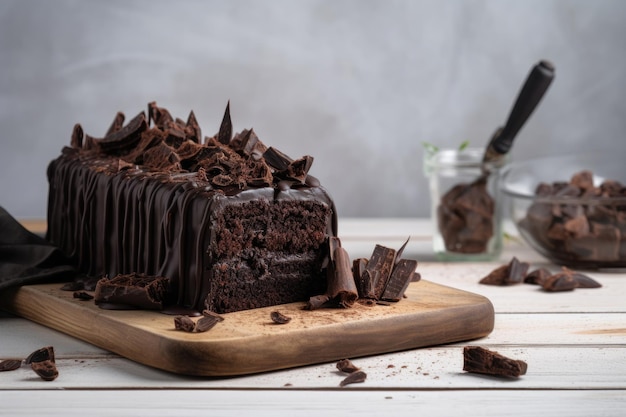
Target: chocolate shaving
x=483, y=361
x=279, y=318
x=10, y=365
x=353, y=378
x=124, y=140
x=346, y=365
x=226, y=128
x=116, y=124
x=77, y=136
x=46, y=370
x=192, y=129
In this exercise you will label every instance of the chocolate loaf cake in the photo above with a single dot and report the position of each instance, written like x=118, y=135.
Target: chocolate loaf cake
x=231, y=223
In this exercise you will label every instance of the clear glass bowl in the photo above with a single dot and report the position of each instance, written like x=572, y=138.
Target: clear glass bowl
x=577, y=226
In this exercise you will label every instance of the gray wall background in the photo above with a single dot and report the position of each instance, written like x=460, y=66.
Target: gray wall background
x=360, y=85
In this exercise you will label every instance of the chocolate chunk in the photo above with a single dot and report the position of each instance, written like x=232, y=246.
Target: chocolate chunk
x=399, y=280
x=465, y=218
x=133, y=290
x=46, y=370
x=279, y=318
x=562, y=281
x=537, y=277
x=207, y=322
x=585, y=281
x=317, y=301
x=510, y=274
x=298, y=169
x=40, y=355
x=276, y=159
x=353, y=378
x=184, y=323
x=586, y=231
x=159, y=116
x=379, y=269
x=82, y=295
x=346, y=365
x=483, y=361
x=226, y=128
x=251, y=145
x=10, y=365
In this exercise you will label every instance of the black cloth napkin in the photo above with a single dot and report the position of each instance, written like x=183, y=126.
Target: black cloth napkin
x=26, y=258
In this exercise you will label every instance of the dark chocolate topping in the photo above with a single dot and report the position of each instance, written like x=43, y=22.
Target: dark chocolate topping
x=162, y=144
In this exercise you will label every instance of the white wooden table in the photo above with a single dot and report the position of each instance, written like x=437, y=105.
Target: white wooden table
x=574, y=344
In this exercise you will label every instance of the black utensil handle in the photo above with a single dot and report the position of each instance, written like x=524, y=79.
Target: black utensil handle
x=534, y=88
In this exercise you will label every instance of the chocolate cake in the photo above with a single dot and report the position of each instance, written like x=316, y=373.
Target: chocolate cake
x=231, y=223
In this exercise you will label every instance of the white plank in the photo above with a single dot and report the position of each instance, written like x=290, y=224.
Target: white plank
x=348, y=402
x=430, y=368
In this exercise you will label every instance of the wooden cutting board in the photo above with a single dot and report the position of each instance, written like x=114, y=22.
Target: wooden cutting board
x=249, y=342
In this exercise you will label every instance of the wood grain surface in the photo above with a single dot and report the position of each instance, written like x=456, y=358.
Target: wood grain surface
x=249, y=342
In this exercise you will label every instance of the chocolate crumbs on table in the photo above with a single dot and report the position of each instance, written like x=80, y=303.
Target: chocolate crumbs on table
x=353, y=378
x=82, y=295
x=346, y=365
x=279, y=318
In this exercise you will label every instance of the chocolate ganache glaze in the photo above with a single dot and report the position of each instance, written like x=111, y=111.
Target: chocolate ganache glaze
x=231, y=223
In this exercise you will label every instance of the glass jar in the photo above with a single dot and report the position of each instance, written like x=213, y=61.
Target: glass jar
x=466, y=204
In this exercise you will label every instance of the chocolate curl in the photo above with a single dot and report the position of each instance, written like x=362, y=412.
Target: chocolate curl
x=125, y=139
x=77, y=136
x=226, y=128
x=341, y=288
x=116, y=124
